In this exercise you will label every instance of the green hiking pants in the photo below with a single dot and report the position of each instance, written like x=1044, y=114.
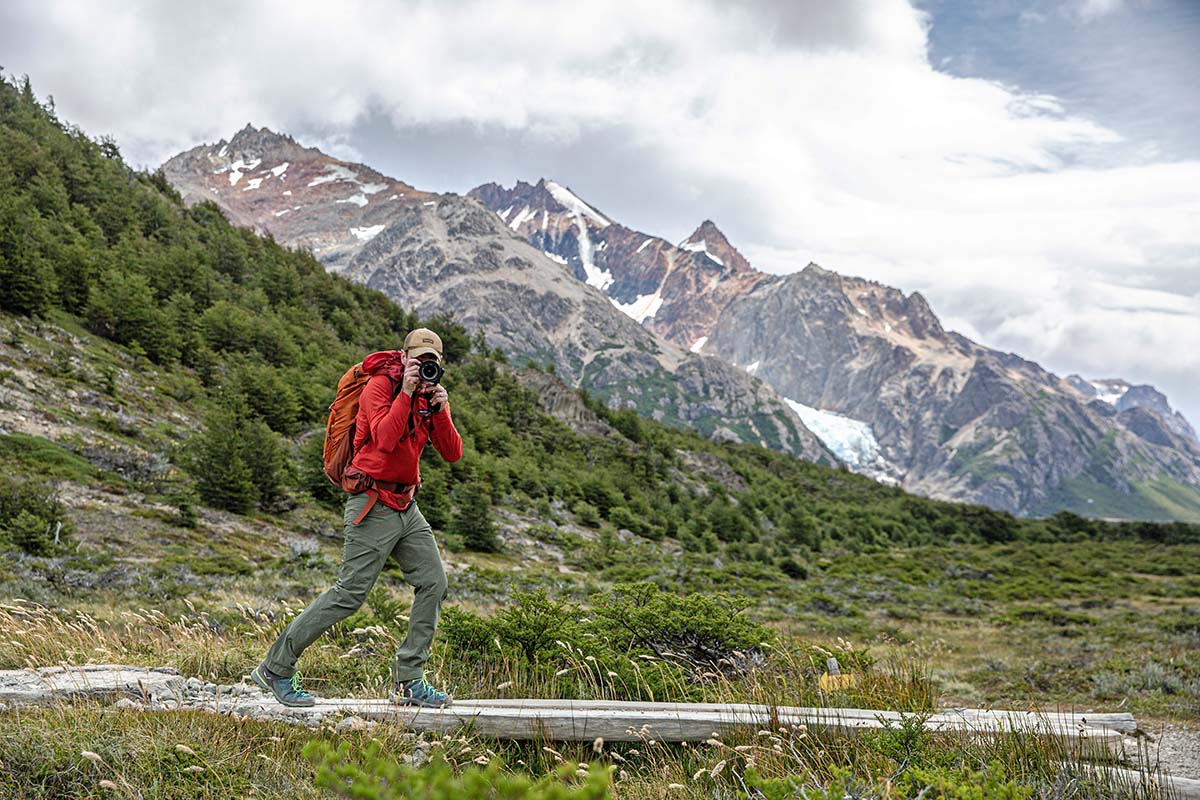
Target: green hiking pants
x=384, y=532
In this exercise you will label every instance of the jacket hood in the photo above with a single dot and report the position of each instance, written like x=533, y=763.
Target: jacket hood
x=388, y=362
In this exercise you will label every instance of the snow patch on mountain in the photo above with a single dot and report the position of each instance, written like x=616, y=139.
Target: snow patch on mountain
x=239, y=168
x=573, y=204
x=335, y=172
x=642, y=246
x=359, y=200
x=279, y=170
x=753, y=366
x=645, y=306
x=1110, y=391
x=555, y=257
x=700, y=247
x=698, y=344
x=851, y=440
x=367, y=233
x=525, y=214
x=580, y=212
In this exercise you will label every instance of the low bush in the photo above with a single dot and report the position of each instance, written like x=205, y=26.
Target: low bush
x=31, y=516
x=372, y=775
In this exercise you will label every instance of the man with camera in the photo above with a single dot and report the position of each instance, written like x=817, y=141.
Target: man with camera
x=402, y=407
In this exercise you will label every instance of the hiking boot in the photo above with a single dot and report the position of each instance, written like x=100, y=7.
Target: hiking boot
x=420, y=692
x=286, y=690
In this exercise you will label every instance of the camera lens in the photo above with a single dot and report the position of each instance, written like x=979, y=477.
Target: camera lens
x=430, y=371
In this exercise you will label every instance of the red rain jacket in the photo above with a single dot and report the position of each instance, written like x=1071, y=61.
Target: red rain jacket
x=391, y=430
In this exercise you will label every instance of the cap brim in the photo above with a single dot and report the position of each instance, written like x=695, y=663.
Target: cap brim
x=417, y=352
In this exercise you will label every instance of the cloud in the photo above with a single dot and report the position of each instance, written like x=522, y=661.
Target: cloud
x=808, y=130
x=1088, y=10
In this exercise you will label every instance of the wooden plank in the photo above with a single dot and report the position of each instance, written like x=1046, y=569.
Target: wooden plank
x=673, y=722
x=988, y=718
x=1159, y=783
x=578, y=720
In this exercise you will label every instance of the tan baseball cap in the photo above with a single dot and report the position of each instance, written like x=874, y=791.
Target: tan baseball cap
x=421, y=341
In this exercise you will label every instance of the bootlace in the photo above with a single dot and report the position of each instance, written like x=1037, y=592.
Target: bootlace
x=424, y=684
x=296, y=685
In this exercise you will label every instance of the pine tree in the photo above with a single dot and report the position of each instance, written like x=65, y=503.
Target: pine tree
x=473, y=520
x=222, y=476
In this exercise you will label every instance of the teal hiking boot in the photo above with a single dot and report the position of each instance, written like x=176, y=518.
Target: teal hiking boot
x=420, y=692
x=286, y=690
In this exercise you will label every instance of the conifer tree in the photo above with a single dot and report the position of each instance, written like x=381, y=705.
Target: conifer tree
x=473, y=520
x=222, y=475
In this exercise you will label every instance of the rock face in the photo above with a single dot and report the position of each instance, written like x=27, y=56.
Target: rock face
x=952, y=419
x=561, y=402
x=448, y=254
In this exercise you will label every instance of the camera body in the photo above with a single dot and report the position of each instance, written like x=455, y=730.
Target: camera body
x=430, y=371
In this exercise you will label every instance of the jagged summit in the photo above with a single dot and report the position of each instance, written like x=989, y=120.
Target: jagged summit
x=710, y=240
x=263, y=138
x=1124, y=397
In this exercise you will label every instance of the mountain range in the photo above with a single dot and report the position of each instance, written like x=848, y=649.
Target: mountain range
x=829, y=367
x=448, y=254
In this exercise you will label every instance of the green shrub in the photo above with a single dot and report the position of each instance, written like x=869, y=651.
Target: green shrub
x=372, y=775
x=910, y=784
x=30, y=515
x=707, y=630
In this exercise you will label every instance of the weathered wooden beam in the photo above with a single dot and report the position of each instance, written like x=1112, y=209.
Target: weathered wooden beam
x=991, y=718
x=1159, y=784
x=579, y=720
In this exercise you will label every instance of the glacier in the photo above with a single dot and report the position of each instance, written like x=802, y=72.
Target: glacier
x=850, y=439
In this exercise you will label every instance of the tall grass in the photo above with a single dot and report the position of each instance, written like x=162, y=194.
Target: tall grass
x=138, y=749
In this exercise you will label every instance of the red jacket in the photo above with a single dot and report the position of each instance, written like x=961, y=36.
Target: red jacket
x=391, y=430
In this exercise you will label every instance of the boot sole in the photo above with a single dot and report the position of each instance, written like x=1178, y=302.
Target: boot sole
x=266, y=686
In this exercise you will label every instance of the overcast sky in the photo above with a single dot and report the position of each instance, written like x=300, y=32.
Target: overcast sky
x=1032, y=167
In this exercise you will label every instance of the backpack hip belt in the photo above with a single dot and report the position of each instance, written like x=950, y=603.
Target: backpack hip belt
x=372, y=485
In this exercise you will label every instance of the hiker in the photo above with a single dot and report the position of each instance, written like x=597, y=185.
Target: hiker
x=398, y=412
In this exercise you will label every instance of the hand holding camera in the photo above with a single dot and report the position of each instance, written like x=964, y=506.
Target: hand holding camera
x=412, y=377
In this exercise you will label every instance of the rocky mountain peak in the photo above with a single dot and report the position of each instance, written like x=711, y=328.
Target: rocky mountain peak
x=301, y=196
x=1124, y=397
x=259, y=142
x=710, y=240
x=921, y=318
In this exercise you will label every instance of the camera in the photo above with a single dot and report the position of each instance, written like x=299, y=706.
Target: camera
x=430, y=371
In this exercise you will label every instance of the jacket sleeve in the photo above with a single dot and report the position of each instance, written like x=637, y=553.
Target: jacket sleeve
x=445, y=436
x=387, y=418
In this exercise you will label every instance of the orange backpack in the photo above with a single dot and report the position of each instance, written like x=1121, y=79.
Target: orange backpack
x=339, y=430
